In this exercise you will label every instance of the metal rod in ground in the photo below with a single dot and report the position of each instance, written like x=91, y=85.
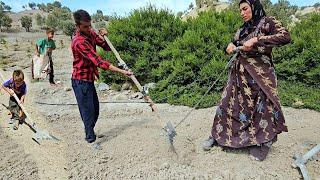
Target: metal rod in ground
x=229, y=64
x=300, y=161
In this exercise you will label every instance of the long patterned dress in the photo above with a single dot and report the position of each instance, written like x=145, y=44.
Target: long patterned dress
x=249, y=112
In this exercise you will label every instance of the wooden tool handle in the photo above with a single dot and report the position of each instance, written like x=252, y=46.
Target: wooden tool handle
x=133, y=78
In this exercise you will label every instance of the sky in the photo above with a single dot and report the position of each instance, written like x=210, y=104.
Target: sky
x=124, y=7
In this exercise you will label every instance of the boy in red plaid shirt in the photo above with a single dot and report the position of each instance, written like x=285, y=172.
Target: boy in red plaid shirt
x=85, y=64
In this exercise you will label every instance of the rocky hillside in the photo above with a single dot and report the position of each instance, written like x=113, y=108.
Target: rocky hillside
x=16, y=23
x=204, y=5
x=307, y=10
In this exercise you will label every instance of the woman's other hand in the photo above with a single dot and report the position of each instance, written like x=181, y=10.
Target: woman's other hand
x=248, y=45
x=230, y=48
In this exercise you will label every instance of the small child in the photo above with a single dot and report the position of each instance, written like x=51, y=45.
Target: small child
x=46, y=46
x=16, y=85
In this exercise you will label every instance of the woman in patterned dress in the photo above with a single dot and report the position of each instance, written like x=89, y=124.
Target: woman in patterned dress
x=249, y=113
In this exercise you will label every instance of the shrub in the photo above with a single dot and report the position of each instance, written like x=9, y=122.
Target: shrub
x=26, y=22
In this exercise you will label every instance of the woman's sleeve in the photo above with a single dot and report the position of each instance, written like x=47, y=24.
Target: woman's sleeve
x=278, y=35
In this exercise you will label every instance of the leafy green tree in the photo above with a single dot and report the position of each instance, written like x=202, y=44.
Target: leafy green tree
x=191, y=6
x=198, y=3
x=57, y=4
x=50, y=7
x=32, y=5
x=42, y=7
x=26, y=22
x=7, y=8
x=4, y=7
x=6, y=21
x=58, y=17
x=69, y=28
x=52, y=21
x=40, y=20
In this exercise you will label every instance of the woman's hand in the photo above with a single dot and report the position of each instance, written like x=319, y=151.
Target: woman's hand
x=248, y=45
x=230, y=48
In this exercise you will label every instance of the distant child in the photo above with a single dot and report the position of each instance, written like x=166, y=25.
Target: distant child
x=16, y=85
x=45, y=46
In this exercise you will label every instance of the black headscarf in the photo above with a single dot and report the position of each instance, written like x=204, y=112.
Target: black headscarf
x=257, y=14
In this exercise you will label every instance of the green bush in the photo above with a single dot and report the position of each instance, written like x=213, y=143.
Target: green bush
x=185, y=58
x=198, y=55
x=299, y=95
x=69, y=28
x=140, y=37
x=58, y=17
x=26, y=22
x=300, y=61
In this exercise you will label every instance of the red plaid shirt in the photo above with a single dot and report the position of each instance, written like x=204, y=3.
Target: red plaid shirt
x=85, y=57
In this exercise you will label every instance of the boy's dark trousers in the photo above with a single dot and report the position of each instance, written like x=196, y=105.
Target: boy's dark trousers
x=88, y=104
x=51, y=76
x=15, y=110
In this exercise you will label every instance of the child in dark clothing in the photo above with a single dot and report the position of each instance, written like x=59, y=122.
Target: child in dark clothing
x=16, y=85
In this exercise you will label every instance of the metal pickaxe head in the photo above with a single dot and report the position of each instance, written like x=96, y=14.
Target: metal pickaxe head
x=40, y=135
x=43, y=135
x=171, y=132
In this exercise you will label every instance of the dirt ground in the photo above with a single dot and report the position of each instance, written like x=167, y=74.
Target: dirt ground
x=133, y=144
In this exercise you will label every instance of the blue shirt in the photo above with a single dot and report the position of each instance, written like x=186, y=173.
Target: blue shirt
x=20, y=91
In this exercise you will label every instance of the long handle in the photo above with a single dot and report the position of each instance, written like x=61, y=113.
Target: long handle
x=132, y=77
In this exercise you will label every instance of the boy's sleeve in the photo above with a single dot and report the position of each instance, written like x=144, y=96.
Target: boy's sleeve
x=40, y=42
x=7, y=84
x=24, y=89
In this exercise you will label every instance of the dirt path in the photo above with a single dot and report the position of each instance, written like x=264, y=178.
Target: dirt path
x=133, y=144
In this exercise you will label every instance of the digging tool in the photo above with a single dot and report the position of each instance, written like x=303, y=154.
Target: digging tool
x=229, y=64
x=39, y=135
x=124, y=66
x=300, y=161
x=168, y=127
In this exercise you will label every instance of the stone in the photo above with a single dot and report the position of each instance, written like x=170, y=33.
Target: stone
x=120, y=97
x=67, y=89
x=103, y=87
x=137, y=95
x=126, y=86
